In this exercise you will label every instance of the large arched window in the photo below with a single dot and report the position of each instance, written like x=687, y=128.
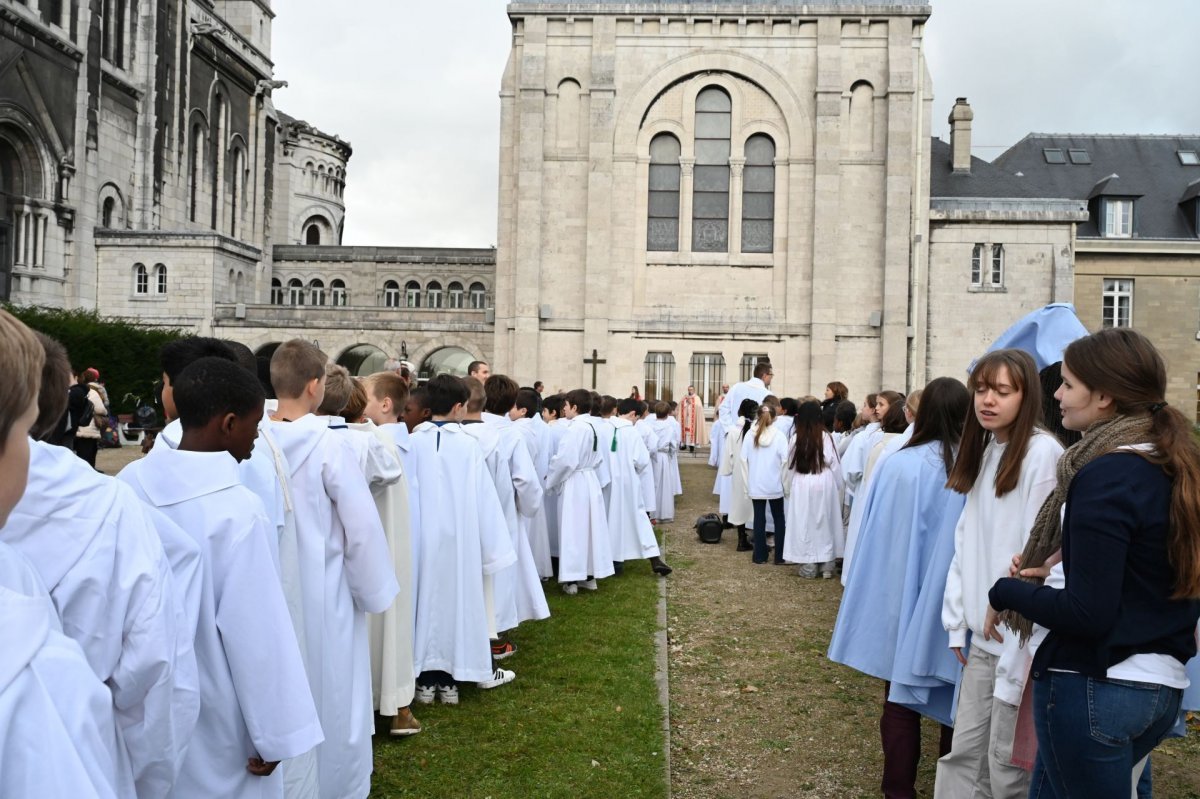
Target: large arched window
x=341, y=297
x=660, y=376
x=478, y=296
x=391, y=294
x=758, y=195
x=412, y=294
x=276, y=291
x=217, y=153
x=160, y=279
x=454, y=294
x=295, y=292
x=662, y=226
x=107, y=212
x=710, y=188
x=434, y=290
x=235, y=197
x=316, y=292
x=141, y=279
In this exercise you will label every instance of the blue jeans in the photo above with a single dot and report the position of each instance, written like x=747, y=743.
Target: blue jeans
x=760, y=528
x=1091, y=732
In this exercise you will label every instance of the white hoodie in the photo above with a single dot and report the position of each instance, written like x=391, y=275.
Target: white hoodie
x=766, y=462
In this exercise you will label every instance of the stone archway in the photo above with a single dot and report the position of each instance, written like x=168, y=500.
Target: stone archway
x=363, y=359
x=446, y=361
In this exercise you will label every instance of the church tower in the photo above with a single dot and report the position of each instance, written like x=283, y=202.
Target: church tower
x=688, y=188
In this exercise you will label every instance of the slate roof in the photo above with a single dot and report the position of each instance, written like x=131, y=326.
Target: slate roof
x=748, y=5
x=1147, y=168
x=984, y=180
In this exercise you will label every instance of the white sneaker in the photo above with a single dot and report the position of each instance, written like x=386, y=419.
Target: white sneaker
x=448, y=694
x=501, y=677
x=570, y=589
x=425, y=694
x=589, y=585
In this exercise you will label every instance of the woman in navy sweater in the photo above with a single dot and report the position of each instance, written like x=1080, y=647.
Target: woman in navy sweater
x=1125, y=521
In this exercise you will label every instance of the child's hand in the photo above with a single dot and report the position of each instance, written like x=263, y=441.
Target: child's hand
x=259, y=767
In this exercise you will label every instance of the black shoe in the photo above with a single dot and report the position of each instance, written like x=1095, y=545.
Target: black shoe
x=659, y=566
x=618, y=567
x=743, y=544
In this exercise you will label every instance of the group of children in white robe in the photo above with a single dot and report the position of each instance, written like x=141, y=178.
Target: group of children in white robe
x=226, y=616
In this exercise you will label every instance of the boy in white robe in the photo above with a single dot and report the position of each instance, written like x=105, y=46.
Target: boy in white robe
x=109, y=577
x=393, y=681
x=345, y=569
x=556, y=429
x=585, y=551
x=628, y=523
x=461, y=545
x=251, y=717
x=519, y=489
x=526, y=420
x=645, y=428
x=58, y=734
x=666, y=443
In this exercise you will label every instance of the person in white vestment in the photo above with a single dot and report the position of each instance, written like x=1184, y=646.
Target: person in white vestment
x=345, y=571
x=251, y=717
x=645, y=427
x=556, y=429
x=577, y=471
x=526, y=419
x=519, y=489
x=677, y=432
x=58, y=733
x=756, y=388
x=813, y=506
x=461, y=546
x=102, y=560
x=665, y=445
x=628, y=521
x=736, y=499
x=393, y=681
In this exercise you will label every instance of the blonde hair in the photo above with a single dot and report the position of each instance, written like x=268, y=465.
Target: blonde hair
x=913, y=402
x=387, y=385
x=338, y=385
x=294, y=364
x=21, y=359
x=766, y=417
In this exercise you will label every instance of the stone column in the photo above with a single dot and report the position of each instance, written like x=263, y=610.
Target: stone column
x=826, y=198
x=736, y=165
x=686, y=168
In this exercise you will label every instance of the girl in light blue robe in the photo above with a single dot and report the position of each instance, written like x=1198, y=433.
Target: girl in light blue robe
x=891, y=611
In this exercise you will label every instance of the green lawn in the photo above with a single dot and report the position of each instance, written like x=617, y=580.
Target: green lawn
x=581, y=720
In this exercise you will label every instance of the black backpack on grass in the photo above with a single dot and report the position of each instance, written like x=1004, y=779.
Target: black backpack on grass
x=709, y=528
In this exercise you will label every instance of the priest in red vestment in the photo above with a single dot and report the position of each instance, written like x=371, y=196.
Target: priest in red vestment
x=691, y=420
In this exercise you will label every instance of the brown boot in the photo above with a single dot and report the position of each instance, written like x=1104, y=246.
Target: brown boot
x=404, y=723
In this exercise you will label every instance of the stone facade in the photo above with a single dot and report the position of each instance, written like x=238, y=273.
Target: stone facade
x=1164, y=283
x=841, y=93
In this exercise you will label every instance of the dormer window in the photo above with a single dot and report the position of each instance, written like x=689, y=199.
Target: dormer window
x=1118, y=218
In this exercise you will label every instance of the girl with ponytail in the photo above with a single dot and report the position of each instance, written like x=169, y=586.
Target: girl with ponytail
x=764, y=453
x=1121, y=607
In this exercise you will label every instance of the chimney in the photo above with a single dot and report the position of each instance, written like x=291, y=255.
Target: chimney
x=960, y=135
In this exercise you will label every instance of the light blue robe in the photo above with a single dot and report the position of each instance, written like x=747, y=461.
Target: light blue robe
x=1043, y=333
x=907, y=509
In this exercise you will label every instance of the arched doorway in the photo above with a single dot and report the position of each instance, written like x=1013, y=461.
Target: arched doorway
x=363, y=359
x=446, y=361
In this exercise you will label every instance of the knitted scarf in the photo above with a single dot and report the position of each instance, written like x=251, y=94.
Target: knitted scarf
x=1045, y=538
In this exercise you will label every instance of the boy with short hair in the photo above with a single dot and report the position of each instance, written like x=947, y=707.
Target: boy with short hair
x=98, y=551
x=250, y=717
x=460, y=544
x=585, y=552
x=628, y=521
x=526, y=418
x=56, y=715
x=345, y=567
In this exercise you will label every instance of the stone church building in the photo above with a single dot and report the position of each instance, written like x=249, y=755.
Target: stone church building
x=685, y=188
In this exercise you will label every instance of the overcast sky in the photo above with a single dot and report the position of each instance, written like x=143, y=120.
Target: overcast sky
x=414, y=87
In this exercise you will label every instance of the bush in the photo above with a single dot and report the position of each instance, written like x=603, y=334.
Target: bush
x=125, y=354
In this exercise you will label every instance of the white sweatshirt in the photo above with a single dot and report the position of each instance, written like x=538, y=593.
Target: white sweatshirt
x=990, y=531
x=765, y=463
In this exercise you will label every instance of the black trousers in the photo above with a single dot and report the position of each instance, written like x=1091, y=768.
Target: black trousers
x=86, y=448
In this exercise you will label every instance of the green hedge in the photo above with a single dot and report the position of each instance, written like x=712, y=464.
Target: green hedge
x=125, y=354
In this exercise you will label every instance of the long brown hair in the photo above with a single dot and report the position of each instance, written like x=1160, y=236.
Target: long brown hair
x=808, y=453
x=1023, y=374
x=1126, y=366
x=944, y=407
x=840, y=392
